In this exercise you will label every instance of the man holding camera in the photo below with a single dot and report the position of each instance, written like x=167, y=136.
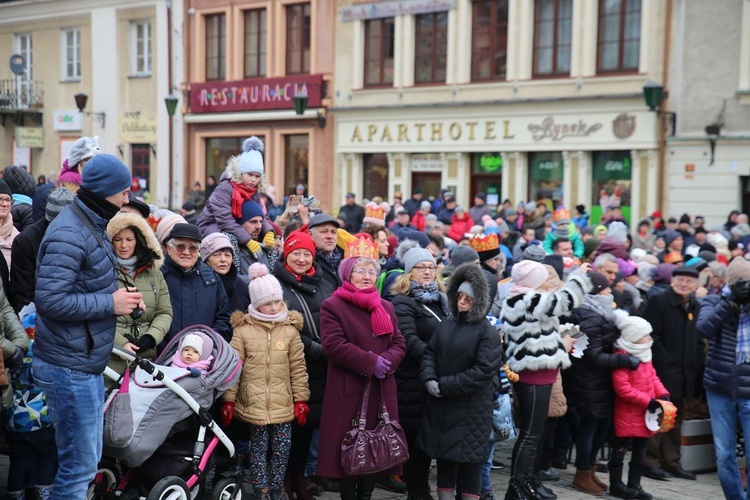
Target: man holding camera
x=725, y=321
x=77, y=301
x=677, y=358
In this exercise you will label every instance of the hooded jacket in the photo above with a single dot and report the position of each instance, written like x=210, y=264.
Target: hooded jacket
x=464, y=356
x=274, y=376
x=22, y=184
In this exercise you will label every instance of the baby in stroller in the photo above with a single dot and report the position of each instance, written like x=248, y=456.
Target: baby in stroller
x=190, y=354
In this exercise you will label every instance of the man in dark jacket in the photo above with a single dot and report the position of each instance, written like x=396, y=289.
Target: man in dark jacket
x=724, y=320
x=413, y=203
x=196, y=293
x=323, y=228
x=355, y=214
x=677, y=352
x=78, y=301
x=26, y=247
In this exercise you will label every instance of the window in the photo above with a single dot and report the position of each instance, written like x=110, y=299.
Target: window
x=489, y=40
x=23, y=46
x=216, y=33
x=141, y=53
x=297, y=154
x=552, y=37
x=375, y=175
x=298, y=39
x=432, y=47
x=619, y=39
x=220, y=149
x=379, y=34
x=546, y=178
x=71, y=52
x=140, y=161
x=255, y=43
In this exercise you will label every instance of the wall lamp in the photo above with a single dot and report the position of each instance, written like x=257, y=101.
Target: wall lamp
x=653, y=94
x=713, y=132
x=300, y=105
x=81, y=100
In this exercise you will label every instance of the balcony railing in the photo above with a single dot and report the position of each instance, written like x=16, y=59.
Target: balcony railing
x=20, y=95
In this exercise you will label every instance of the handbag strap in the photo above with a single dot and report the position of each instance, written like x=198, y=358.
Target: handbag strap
x=384, y=415
x=362, y=423
x=433, y=313
x=308, y=314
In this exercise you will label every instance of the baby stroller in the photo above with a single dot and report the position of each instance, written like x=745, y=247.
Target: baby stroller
x=151, y=422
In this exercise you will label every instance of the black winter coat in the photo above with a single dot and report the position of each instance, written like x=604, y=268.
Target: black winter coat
x=591, y=389
x=327, y=272
x=678, y=348
x=306, y=297
x=718, y=323
x=417, y=323
x=23, y=273
x=355, y=214
x=23, y=216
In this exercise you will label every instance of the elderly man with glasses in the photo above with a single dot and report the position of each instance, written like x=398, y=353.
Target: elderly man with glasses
x=196, y=292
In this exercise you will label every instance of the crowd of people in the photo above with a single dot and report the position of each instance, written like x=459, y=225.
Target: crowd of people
x=445, y=312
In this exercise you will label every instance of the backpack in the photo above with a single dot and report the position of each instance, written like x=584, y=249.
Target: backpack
x=380, y=283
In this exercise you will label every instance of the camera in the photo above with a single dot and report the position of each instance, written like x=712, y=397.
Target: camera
x=137, y=313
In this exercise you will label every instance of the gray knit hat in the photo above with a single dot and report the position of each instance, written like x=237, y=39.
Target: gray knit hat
x=415, y=256
x=463, y=254
x=57, y=200
x=534, y=252
x=467, y=289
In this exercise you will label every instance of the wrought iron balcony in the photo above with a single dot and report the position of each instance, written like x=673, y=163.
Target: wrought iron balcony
x=20, y=98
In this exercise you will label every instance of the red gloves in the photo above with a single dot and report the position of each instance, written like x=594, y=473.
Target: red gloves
x=301, y=410
x=227, y=412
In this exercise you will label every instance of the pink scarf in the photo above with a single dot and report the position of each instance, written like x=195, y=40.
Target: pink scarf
x=369, y=300
x=203, y=364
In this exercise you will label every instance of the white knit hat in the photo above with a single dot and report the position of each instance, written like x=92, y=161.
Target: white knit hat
x=264, y=287
x=194, y=341
x=633, y=328
x=251, y=159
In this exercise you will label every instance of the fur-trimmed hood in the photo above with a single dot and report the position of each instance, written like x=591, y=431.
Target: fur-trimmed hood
x=240, y=318
x=475, y=276
x=124, y=220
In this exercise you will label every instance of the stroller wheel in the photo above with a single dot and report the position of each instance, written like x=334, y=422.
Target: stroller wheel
x=106, y=480
x=170, y=488
x=227, y=489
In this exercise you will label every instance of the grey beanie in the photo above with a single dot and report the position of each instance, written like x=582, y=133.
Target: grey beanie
x=534, y=252
x=467, y=289
x=56, y=201
x=463, y=254
x=415, y=256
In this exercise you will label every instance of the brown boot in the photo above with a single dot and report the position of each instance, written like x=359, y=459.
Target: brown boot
x=598, y=481
x=582, y=481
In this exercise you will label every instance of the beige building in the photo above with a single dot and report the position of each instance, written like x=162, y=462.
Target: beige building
x=521, y=100
x=245, y=62
x=113, y=51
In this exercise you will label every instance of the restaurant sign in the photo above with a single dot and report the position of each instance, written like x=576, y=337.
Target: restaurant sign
x=255, y=95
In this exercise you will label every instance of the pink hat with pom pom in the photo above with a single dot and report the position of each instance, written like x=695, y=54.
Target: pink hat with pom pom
x=264, y=287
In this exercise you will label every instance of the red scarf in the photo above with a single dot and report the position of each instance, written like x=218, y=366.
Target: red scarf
x=298, y=277
x=369, y=300
x=240, y=194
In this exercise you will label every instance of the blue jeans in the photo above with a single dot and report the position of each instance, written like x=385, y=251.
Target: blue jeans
x=486, y=484
x=76, y=406
x=591, y=436
x=724, y=413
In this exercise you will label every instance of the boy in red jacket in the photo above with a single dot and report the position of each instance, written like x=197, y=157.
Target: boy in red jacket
x=635, y=392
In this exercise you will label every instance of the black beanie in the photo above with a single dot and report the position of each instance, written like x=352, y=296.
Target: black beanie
x=5, y=189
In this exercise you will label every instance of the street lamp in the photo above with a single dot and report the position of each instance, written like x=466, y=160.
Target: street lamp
x=653, y=94
x=81, y=100
x=300, y=102
x=171, y=102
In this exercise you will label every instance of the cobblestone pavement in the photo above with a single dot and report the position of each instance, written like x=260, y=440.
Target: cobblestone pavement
x=705, y=487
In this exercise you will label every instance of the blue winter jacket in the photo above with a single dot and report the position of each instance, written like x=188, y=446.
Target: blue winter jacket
x=718, y=323
x=75, y=280
x=198, y=298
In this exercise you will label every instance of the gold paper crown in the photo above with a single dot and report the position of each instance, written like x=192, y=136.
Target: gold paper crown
x=374, y=211
x=561, y=213
x=361, y=247
x=485, y=242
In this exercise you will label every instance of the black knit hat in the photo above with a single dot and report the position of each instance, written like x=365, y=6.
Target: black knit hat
x=5, y=189
x=598, y=282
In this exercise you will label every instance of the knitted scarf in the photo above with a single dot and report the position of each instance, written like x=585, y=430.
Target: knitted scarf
x=240, y=194
x=128, y=265
x=6, y=227
x=743, y=336
x=21, y=199
x=333, y=259
x=270, y=318
x=202, y=364
x=425, y=294
x=369, y=300
x=640, y=351
x=602, y=304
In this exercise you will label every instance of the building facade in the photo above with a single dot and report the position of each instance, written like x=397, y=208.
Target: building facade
x=520, y=100
x=114, y=52
x=246, y=60
x=709, y=154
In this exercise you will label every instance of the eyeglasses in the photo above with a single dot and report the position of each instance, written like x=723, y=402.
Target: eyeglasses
x=181, y=247
x=365, y=272
x=6, y=200
x=463, y=296
x=422, y=269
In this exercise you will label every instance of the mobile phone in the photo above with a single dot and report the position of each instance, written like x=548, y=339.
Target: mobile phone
x=576, y=334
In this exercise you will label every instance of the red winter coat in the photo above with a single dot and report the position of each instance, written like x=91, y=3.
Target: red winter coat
x=419, y=220
x=460, y=226
x=352, y=350
x=634, y=389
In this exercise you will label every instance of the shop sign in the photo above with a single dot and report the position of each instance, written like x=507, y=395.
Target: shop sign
x=137, y=129
x=548, y=129
x=490, y=163
x=546, y=165
x=379, y=10
x=256, y=94
x=30, y=137
x=427, y=163
x=68, y=120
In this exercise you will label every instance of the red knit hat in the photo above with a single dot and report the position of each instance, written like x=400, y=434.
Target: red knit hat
x=296, y=240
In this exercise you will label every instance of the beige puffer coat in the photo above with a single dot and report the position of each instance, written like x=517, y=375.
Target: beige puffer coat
x=274, y=375
x=558, y=403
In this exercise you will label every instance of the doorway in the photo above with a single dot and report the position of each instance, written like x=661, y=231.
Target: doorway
x=428, y=182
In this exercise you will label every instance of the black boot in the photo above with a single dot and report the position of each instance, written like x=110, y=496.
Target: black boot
x=541, y=490
x=634, y=482
x=530, y=489
x=365, y=487
x=515, y=490
x=616, y=487
x=348, y=489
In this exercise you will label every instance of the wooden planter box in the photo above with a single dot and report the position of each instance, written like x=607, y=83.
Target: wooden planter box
x=698, y=453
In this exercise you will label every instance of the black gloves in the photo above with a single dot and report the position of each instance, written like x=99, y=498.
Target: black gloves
x=664, y=397
x=740, y=293
x=145, y=342
x=634, y=363
x=653, y=405
x=15, y=360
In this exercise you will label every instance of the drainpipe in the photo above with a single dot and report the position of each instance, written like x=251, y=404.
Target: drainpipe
x=169, y=91
x=662, y=116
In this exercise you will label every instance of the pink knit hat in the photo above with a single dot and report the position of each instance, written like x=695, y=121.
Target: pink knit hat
x=264, y=287
x=527, y=275
x=166, y=224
